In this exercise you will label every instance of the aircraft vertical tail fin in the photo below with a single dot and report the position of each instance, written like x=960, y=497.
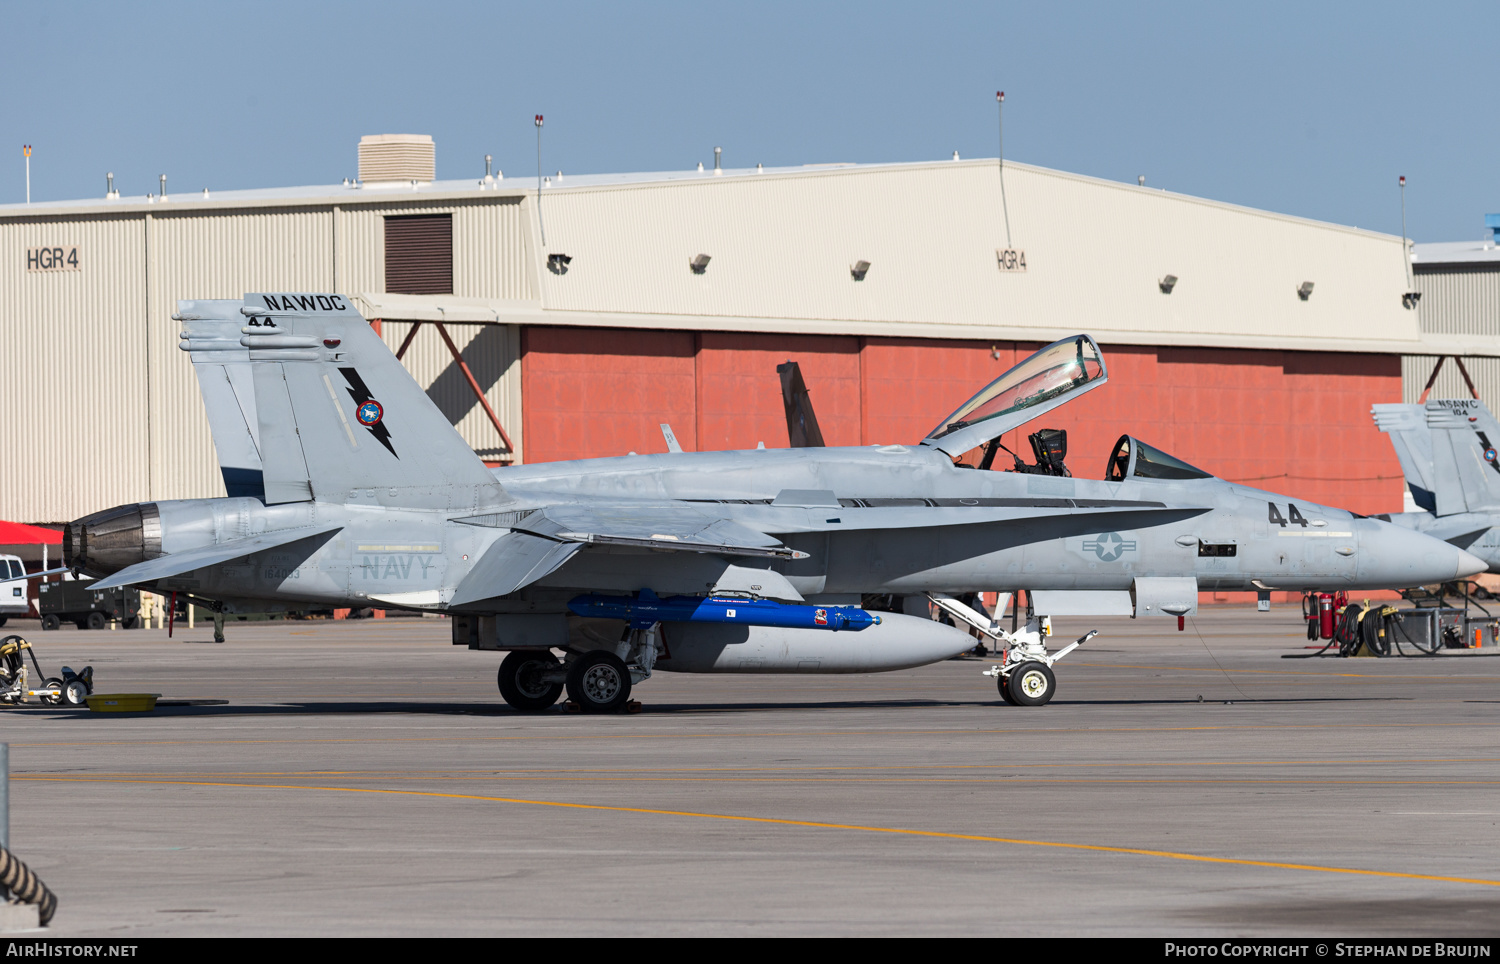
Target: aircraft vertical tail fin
x=211, y=336
x=801, y=422
x=1447, y=450
x=335, y=416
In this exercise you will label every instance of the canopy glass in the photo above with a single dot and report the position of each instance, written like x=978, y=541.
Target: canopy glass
x=1062, y=368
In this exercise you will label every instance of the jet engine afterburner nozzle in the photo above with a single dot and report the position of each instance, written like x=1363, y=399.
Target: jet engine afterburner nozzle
x=108, y=541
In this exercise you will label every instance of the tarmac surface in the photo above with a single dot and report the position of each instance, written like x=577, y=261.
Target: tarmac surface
x=366, y=779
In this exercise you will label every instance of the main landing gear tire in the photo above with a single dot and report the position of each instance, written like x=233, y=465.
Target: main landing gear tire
x=521, y=684
x=599, y=682
x=1031, y=684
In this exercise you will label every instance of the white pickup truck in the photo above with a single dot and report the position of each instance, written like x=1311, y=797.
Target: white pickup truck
x=12, y=588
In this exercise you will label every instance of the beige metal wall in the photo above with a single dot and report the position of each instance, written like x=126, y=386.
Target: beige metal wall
x=102, y=408
x=782, y=246
x=73, y=385
x=491, y=256
x=1460, y=302
x=493, y=354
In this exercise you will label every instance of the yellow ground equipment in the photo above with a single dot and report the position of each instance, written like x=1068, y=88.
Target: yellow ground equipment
x=123, y=702
x=72, y=688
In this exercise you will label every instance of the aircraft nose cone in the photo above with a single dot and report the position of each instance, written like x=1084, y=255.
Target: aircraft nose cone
x=1392, y=557
x=1469, y=565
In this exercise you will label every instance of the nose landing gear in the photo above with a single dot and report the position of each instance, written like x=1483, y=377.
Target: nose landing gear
x=1025, y=676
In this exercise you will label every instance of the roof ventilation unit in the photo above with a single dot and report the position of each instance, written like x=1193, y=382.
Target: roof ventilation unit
x=396, y=158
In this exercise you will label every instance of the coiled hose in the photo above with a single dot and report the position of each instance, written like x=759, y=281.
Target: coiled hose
x=26, y=887
x=1379, y=629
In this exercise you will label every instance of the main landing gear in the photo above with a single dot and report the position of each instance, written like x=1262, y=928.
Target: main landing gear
x=1024, y=677
x=596, y=680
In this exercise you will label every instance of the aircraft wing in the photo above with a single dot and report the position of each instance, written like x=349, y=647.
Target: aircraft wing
x=177, y=563
x=541, y=541
x=514, y=560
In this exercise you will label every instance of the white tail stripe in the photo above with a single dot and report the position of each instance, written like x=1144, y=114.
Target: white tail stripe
x=340, y=409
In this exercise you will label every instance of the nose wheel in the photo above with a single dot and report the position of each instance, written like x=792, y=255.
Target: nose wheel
x=1030, y=684
x=1026, y=677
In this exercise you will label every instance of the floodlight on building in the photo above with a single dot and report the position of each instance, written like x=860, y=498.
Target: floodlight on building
x=858, y=270
x=1304, y=290
x=558, y=263
x=699, y=264
x=1167, y=283
x=1410, y=299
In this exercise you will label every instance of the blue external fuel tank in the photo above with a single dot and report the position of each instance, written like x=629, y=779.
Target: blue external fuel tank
x=647, y=608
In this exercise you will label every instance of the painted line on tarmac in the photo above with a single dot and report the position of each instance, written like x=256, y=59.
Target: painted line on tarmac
x=861, y=828
x=811, y=768
x=894, y=731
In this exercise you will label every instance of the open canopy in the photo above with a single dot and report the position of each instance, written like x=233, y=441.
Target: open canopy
x=1061, y=371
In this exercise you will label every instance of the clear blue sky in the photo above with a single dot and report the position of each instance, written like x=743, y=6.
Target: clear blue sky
x=1308, y=109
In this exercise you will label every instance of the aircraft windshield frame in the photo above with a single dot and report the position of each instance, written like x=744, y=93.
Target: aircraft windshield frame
x=1062, y=368
x=1142, y=461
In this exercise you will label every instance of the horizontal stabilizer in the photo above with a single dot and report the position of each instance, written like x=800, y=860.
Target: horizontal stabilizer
x=178, y=563
x=513, y=561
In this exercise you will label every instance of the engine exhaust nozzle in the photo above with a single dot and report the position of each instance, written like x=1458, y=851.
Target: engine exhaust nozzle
x=108, y=541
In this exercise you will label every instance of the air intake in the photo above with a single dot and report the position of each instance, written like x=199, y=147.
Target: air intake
x=396, y=157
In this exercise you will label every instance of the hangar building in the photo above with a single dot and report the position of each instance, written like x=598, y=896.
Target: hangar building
x=590, y=309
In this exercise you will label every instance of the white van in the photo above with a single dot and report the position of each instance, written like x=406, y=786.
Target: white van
x=12, y=588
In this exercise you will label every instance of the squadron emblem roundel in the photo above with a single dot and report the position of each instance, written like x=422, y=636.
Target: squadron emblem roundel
x=370, y=413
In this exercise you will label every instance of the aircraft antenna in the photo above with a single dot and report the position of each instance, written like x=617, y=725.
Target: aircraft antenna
x=539, y=223
x=1405, y=254
x=1004, y=207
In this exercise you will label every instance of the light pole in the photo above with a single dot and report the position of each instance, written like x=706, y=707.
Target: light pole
x=1004, y=206
x=539, y=223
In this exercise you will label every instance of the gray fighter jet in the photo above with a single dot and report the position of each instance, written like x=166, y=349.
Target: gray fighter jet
x=349, y=488
x=1447, y=450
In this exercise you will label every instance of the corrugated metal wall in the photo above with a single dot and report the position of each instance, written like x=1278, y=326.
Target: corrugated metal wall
x=493, y=354
x=102, y=408
x=1460, y=301
x=73, y=385
x=1291, y=422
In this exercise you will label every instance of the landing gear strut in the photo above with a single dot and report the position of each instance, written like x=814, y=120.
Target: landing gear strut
x=1025, y=676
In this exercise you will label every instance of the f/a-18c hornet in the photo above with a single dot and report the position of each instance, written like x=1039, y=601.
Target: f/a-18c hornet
x=349, y=488
x=1448, y=455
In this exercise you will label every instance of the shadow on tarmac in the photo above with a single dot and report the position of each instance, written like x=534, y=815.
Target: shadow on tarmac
x=498, y=709
x=1448, y=918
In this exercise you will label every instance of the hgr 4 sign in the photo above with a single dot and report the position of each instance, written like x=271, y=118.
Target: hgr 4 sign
x=52, y=259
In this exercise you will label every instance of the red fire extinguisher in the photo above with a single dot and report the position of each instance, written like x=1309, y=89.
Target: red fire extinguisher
x=1325, y=615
